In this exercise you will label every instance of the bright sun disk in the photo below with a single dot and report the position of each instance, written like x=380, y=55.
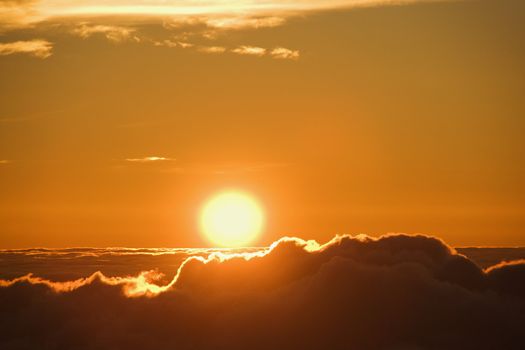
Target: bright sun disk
x=232, y=219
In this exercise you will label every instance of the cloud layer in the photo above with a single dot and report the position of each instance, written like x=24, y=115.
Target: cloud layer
x=120, y=21
x=396, y=292
x=231, y=14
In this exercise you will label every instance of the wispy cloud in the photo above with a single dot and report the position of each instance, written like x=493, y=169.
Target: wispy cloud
x=226, y=20
x=185, y=45
x=112, y=33
x=5, y=161
x=166, y=43
x=17, y=13
x=173, y=43
x=278, y=53
x=250, y=50
x=212, y=49
x=37, y=48
x=240, y=22
x=149, y=159
x=284, y=53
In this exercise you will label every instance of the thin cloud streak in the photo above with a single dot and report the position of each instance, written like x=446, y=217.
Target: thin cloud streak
x=148, y=159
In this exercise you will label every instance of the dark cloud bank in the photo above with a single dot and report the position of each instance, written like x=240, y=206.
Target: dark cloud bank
x=396, y=292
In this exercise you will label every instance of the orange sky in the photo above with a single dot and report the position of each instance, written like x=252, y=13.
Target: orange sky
x=338, y=118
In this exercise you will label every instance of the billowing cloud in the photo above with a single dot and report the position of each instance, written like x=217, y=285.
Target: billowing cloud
x=37, y=48
x=148, y=159
x=395, y=292
x=112, y=33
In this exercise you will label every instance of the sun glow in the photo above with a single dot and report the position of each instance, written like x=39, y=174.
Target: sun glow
x=232, y=219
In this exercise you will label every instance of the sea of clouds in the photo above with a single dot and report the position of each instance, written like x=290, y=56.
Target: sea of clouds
x=394, y=292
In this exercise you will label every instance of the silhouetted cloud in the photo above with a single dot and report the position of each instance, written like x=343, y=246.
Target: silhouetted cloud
x=395, y=292
x=491, y=256
x=508, y=277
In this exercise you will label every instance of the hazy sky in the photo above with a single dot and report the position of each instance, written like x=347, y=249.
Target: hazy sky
x=119, y=118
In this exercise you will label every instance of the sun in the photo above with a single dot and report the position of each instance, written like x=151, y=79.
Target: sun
x=232, y=219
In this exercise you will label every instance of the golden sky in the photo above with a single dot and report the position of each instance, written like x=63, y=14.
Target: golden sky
x=119, y=118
